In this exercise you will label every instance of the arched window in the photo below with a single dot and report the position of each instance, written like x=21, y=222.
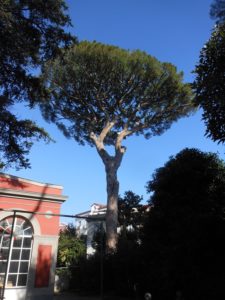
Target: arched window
x=17, y=250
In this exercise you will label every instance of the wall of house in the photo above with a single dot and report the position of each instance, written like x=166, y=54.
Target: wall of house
x=26, y=195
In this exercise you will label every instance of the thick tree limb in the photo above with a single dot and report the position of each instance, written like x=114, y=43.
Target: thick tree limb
x=106, y=130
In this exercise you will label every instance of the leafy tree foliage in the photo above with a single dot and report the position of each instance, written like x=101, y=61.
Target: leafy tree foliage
x=16, y=139
x=218, y=11
x=130, y=210
x=101, y=94
x=99, y=238
x=30, y=33
x=131, y=216
x=183, y=237
x=71, y=249
x=209, y=84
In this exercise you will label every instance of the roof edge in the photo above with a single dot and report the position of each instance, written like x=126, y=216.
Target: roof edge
x=32, y=195
x=30, y=181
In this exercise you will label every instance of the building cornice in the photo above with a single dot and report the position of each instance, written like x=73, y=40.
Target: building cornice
x=32, y=196
x=20, y=179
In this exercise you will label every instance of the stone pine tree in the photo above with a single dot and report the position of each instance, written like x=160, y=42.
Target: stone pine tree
x=101, y=94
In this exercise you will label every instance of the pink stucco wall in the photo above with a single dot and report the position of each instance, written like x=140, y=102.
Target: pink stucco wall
x=49, y=226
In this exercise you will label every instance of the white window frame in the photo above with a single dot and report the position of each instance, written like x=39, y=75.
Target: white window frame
x=22, y=231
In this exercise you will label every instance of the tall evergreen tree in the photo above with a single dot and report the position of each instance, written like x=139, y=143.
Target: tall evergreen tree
x=30, y=33
x=209, y=84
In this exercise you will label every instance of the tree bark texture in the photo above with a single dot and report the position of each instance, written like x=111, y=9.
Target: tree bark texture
x=112, y=207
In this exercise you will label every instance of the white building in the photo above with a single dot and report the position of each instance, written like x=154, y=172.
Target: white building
x=89, y=222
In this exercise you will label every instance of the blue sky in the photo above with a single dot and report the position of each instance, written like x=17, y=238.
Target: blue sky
x=170, y=30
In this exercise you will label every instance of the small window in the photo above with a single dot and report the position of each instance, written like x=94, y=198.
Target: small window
x=18, y=250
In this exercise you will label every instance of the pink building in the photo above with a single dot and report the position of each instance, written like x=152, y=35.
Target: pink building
x=28, y=237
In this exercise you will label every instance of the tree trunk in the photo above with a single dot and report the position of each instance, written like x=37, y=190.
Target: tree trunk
x=112, y=206
x=112, y=164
